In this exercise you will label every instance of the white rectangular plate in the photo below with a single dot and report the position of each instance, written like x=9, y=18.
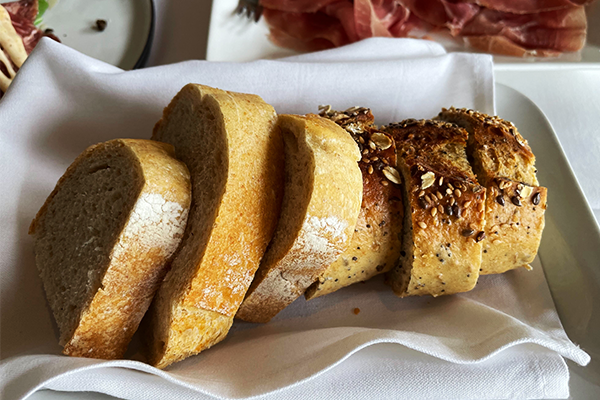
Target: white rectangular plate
x=235, y=38
x=570, y=247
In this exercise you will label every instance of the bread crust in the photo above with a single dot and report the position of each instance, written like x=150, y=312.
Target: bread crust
x=376, y=242
x=235, y=157
x=297, y=255
x=444, y=216
x=515, y=204
x=152, y=230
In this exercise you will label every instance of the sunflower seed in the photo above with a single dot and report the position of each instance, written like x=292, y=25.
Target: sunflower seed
x=392, y=174
x=382, y=141
x=427, y=180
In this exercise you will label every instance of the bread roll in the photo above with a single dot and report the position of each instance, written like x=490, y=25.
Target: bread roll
x=103, y=239
x=515, y=204
x=375, y=246
x=322, y=197
x=445, y=210
x=235, y=157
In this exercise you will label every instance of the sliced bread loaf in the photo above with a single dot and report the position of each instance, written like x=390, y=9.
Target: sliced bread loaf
x=444, y=210
x=235, y=157
x=515, y=204
x=322, y=197
x=375, y=246
x=103, y=239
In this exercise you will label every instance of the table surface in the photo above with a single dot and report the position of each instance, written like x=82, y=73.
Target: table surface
x=570, y=98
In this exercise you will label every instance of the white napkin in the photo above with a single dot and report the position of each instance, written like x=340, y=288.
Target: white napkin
x=501, y=340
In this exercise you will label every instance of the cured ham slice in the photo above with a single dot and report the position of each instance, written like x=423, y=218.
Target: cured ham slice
x=305, y=31
x=559, y=30
x=23, y=14
x=375, y=17
x=514, y=27
x=528, y=6
x=18, y=37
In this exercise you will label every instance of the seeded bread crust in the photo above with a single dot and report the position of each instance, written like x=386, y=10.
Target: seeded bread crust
x=445, y=211
x=235, y=157
x=103, y=284
x=320, y=208
x=376, y=243
x=515, y=204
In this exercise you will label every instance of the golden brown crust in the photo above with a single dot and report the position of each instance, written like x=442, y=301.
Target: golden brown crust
x=138, y=259
x=497, y=147
x=235, y=158
x=515, y=221
x=296, y=257
x=504, y=163
x=445, y=210
x=375, y=245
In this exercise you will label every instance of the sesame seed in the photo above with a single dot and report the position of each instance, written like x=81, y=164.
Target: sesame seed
x=516, y=201
x=480, y=207
x=467, y=204
x=448, y=191
x=423, y=203
x=450, y=186
x=439, y=195
x=423, y=225
x=421, y=193
x=433, y=212
x=384, y=183
x=441, y=181
x=370, y=169
x=536, y=199
x=361, y=140
x=496, y=241
x=441, y=209
x=457, y=193
x=452, y=201
x=372, y=145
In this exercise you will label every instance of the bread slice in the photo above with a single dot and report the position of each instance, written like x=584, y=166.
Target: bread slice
x=375, y=246
x=515, y=204
x=103, y=238
x=235, y=157
x=322, y=197
x=444, y=210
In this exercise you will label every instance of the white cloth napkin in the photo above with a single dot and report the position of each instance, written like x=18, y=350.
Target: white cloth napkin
x=501, y=340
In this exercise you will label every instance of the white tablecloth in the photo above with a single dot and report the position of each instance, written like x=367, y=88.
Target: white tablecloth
x=569, y=98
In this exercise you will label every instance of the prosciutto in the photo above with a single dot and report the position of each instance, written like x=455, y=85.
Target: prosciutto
x=305, y=31
x=23, y=14
x=18, y=37
x=510, y=27
x=528, y=6
x=553, y=31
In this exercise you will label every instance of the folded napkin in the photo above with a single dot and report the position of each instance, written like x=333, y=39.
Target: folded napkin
x=501, y=340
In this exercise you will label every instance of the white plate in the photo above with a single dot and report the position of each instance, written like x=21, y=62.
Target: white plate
x=570, y=247
x=235, y=38
x=124, y=43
